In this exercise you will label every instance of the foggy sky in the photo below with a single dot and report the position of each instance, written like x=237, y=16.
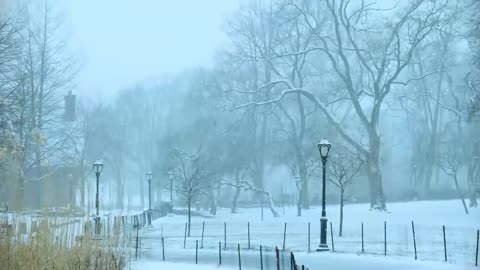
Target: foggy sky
x=126, y=42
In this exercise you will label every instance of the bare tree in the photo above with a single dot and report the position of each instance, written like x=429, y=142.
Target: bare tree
x=367, y=64
x=245, y=185
x=473, y=82
x=10, y=157
x=188, y=179
x=40, y=75
x=343, y=169
x=450, y=162
x=253, y=34
x=239, y=177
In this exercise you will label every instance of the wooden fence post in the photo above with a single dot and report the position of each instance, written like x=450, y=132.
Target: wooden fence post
x=385, y=237
x=225, y=234
x=476, y=252
x=284, y=235
x=363, y=250
x=308, y=236
x=196, y=251
x=261, y=258
x=444, y=243
x=331, y=236
x=163, y=249
x=414, y=241
x=292, y=263
x=203, y=230
x=136, y=246
x=248, y=229
x=185, y=236
x=219, y=253
x=277, y=258
x=239, y=258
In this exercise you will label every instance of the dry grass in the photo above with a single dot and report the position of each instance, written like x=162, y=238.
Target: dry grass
x=47, y=249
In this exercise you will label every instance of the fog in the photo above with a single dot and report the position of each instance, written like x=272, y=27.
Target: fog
x=124, y=43
x=225, y=103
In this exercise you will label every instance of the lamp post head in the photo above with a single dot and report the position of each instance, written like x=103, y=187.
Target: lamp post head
x=149, y=176
x=324, y=148
x=98, y=167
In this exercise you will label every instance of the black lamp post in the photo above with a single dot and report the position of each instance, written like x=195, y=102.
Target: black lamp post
x=97, y=168
x=324, y=148
x=149, y=213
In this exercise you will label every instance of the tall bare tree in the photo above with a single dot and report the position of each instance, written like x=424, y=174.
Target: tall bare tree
x=366, y=63
x=41, y=74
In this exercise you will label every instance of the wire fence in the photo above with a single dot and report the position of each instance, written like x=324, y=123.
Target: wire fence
x=417, y=241
x=216, y=253
x=67, y=230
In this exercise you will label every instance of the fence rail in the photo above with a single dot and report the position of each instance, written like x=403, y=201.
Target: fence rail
x=67, y=230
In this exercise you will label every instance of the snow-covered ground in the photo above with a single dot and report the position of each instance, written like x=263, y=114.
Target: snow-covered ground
x=429, y=216
x=145, y=265
x=314, y=261
x=349, y=261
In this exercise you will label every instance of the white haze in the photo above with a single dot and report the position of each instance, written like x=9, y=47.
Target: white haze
x=127, y=42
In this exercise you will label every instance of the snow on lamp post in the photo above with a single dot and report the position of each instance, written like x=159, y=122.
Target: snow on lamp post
x=97, y=168
x=149, y=213
x=324, y=148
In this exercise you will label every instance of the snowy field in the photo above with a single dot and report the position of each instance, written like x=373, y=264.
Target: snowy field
x=180, y=266
x=428, y=217
x=318, y=261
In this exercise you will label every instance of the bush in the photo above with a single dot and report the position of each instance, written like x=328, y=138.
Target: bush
x=44, y=250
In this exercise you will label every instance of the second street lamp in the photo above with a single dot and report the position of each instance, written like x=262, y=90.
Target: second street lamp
x=149, y=213
x=97, y=168
x=324, y=148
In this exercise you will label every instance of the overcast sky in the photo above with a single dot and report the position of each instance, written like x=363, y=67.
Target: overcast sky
x=124, y=42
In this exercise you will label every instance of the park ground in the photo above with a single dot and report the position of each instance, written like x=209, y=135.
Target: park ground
x=429, y=217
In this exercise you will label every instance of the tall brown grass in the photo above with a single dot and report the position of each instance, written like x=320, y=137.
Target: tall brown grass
x=48, y=249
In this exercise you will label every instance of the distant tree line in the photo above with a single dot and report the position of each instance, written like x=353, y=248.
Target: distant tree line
x=382, y=81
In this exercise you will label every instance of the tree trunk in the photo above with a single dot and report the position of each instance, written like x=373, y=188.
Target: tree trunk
x=213, y=207
x=299, y=203
x=377, y=199
x=189, y=217
x=304, y=187
x=302, y=201
x=237, y=193
x=472, y=169
x=473, y=198
x=427, y=180
x=213, y=202
x=341, y=212
x=260, y=155
x=460, y=194
x=261, y=205
x=302, y=174
x=235, y=199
